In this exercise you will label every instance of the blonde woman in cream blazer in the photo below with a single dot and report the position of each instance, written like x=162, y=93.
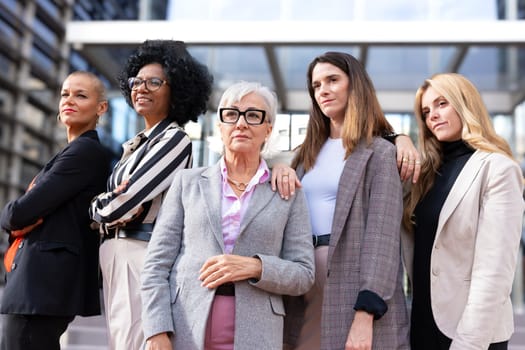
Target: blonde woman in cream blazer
x=469, y=265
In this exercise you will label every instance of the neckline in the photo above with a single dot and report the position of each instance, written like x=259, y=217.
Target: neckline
x=455, y=149
x=240, y=186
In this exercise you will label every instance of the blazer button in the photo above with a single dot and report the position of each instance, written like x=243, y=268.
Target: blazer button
x=435, y=271
x=21, y=245
x=13, y=266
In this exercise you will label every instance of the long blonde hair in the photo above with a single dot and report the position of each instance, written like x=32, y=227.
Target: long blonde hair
x=477, y=131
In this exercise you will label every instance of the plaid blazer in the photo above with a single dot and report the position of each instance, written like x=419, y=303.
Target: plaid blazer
x=364, y=251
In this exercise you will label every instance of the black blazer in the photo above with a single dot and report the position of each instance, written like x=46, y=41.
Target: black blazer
x=56, y=266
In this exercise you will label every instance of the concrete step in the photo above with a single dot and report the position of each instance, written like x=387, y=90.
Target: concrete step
x=517, y=341
x=86, y=333
x=93, y=347
x=90, y=333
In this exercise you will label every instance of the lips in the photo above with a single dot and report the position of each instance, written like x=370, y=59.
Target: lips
x=439, y=125
x=142, y=99
x=68, y=110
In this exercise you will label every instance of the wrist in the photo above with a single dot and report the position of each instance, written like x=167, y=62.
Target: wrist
x=364, y=316
x=391, y=137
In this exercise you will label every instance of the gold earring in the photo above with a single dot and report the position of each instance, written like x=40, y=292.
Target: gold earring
x=58, y=117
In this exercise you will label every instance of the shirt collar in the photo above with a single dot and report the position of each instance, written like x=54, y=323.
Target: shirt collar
x=261, y=175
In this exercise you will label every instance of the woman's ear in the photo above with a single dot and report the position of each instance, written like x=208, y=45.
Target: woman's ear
x=268, y=132
x=102, y=107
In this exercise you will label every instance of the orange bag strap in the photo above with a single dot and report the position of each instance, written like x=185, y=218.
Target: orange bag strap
x=9, y=255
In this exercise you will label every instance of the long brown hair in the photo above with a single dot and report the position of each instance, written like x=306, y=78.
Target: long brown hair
x=364, y=118
x=477, y=131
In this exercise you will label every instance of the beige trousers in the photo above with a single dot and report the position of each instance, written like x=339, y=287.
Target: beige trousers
x=310, y=335
x=121, y=262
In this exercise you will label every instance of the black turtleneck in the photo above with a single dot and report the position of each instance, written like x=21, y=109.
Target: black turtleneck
x=424, y=332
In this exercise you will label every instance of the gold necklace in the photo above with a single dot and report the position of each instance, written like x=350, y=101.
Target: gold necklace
x=240, y=186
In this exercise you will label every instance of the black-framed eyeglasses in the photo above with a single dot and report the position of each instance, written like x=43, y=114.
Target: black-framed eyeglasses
x=152, y=84
x=232, y=115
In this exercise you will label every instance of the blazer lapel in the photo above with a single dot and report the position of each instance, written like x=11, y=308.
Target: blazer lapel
x=460, y=187
x=351, y=176
x=262, y=195
x=210, y=185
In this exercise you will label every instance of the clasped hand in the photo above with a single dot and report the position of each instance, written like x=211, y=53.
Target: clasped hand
x=226, y=268
x=24, y=231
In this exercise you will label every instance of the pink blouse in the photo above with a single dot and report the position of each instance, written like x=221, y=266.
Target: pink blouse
x=233, y=207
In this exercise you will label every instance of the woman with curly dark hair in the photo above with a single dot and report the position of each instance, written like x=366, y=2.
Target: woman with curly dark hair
x=168, y=88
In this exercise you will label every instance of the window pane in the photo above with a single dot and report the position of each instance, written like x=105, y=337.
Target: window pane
x=298, y=133
x=33, y=116
x=43, y=61
x=50, y=8
x=6, y=101
x=29, y=171
x=9, y=33
x=44, y=32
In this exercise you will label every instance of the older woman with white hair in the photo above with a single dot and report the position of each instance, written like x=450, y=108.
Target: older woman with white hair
x=226, y=247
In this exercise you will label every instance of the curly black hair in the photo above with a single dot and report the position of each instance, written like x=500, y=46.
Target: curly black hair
x=190, y=81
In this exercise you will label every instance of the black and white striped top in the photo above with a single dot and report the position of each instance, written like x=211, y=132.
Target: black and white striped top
x=149, y=163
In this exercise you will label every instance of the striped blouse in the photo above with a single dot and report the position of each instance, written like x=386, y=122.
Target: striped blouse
x=149, y=162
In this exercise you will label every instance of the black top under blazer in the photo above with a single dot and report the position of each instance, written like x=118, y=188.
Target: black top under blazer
x=55, y=269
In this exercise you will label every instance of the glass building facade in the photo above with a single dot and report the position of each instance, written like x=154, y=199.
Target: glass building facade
x=34, y=59
x=36, y=54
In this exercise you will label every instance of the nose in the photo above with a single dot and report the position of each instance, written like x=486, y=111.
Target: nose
x=323, y=89
x=67, y=100
x=433, y=114
x=142, y=86
x=241, y=122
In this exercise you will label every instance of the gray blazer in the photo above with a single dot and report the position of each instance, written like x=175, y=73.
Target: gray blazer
x=364, y=251
x=188, y=231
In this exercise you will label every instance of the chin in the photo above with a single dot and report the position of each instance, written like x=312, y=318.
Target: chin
x=241, y=149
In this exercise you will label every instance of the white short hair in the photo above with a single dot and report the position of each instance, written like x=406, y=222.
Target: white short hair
x=237, y=91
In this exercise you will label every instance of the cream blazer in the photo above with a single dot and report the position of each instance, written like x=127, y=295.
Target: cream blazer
x=475, y=252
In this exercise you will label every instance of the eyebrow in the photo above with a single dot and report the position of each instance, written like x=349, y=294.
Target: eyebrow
x=76, y=91
x=330, y=76
x=246, y=109
x=143, y=77
x=434, y=100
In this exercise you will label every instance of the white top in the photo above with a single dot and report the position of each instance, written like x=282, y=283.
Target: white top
x=320, y=185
